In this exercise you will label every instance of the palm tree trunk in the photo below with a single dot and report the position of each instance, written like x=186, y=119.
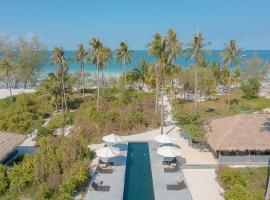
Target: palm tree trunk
x=125, y=76
x=156, y=101
x=162, y=106
x=82, y=78
x=10, y=92
x=196, y=74
x=64, y=94
x=230, y=84
x=97, y=87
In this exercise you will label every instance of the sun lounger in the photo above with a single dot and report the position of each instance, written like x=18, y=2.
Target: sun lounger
x=171, y=169
x=104, y=170
x=178, y=186
x=100, y=188
x=168, y=161
x=105, y=163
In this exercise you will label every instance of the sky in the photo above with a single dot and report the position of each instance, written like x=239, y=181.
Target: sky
x=68, y=22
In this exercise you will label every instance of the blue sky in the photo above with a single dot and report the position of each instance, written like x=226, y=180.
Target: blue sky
x=69, y=22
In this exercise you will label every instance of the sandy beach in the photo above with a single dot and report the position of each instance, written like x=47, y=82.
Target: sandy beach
x=5, y=92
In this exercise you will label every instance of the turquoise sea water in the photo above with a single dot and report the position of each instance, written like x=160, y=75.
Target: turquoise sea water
x=115, y=69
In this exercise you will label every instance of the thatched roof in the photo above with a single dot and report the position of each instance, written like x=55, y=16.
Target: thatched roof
x=8, y=143
x=240, y=132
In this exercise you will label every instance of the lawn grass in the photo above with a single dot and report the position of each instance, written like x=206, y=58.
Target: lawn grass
x=243, y=183
x=219, y=107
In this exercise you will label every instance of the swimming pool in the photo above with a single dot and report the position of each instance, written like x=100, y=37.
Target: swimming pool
x=138, y=177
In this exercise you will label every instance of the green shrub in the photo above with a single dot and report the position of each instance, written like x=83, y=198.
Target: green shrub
x=21, y=175
x=250, y=87
x=22, y=116
x=238, y=192
x=60, y=120
x=192, y=124
x=135, y=118
x=3, y=179
x=243, y=183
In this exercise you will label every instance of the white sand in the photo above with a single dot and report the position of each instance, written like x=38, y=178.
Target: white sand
x=5, y=92
x=202, y=184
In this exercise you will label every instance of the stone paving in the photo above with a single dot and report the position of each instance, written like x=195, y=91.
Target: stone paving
x=115, y=180
x=161, y=179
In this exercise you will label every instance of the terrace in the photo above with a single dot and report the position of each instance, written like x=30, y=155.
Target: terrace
x=116, y=180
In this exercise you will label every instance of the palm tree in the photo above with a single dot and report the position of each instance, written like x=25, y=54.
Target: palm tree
x=157, y=48
x=123, y=55
x=82, y=56
x=174, y=48
x=100, y=56
x=7, y=69
x=196, y=51
x=230, y=56
x=141, y=72
x=59, y=61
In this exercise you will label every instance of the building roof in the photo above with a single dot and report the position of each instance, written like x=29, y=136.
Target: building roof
x=8, y=143
x=240, y=132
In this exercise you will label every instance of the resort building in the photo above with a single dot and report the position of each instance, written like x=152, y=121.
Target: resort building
x=240, y=135
x=9, y=143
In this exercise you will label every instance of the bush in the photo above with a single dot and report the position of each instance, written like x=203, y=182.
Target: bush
x=60, y=120
x=243, y=183
x=192, y=124
x=238, y=192
x=250, y=87
x=3, y=179
x=23, y=116
x=21, y=175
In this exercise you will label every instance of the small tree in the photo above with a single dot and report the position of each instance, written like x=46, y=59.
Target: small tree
x=250, y=87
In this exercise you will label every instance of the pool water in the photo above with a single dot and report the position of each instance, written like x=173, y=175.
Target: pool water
x=138, y=178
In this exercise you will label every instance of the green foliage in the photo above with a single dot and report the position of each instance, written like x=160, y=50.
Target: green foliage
x=23, y=115
x=60, y=120
x=243, y=183
x=3, y=179
x=21, y=175
x=192, y=124
x=122, y=111
x=250, y=87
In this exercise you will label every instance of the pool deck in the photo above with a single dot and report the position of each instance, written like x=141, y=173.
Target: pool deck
x=115, y=180
x=161, y=179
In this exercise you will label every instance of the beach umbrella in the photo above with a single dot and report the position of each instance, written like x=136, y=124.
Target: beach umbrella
x=168, y=151
x=164, y=139
x=107, y=152
x=113, y=138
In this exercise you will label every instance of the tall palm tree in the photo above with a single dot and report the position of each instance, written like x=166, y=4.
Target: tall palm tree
x=174, y=48
x=82, y=56
x=123, y=55
x=7, y=69
x=196, y=51
x=230, y=56
x=157, y=48
x=59, y=61
x=100, y=56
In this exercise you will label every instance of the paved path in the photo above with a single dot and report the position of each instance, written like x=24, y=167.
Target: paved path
x=115, y=180
x=161, y=179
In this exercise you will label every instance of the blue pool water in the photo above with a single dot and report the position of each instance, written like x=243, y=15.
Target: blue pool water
x=138, y=180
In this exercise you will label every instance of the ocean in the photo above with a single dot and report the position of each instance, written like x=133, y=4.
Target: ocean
x=115, y=69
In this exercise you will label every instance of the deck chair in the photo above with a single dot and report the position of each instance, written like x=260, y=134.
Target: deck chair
x=104, y=170
x=100, y=188
x=178, y=186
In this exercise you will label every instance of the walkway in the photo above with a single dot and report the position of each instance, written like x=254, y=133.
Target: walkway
x=161, y=179
x=115, y=180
